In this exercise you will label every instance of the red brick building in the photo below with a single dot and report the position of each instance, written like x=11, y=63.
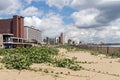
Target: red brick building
x=12, y=32
x=13, y=26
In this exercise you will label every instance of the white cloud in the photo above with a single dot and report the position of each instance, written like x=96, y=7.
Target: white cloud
x=32, y=21
x=58, y=3
x=76, y=34
x=29, y=1
x=31, y=11
x=4, y=5
x=109, y=34
x=115, y=22
x=10, y=6
x=106, y=1
x=51, y=25
x=85, y=17
x=77, y=4
x=83, y=4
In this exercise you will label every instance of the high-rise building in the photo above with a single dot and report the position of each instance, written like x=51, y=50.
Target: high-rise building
x=32, y=34
x=61, y=38
x=69, y=42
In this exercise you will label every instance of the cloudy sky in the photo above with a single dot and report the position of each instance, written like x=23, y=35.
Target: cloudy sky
x=79, y=20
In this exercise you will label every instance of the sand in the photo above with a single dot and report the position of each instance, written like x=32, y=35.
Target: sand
x=97, y=68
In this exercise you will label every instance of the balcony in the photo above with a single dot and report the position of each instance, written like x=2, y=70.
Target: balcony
x=7, y=38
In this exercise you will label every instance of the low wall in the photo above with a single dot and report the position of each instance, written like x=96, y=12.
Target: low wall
x=102, y=48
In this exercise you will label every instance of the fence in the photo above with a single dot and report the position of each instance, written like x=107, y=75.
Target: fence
x=102, y=48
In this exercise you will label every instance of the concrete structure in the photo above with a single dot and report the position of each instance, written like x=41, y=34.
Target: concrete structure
x=12, y=33
x=32, y=34
x=8, y=41
x=1, y=41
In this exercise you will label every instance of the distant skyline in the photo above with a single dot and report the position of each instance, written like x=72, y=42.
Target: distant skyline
x=79, y=20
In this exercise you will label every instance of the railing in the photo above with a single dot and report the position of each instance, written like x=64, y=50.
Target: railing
x=102, y=48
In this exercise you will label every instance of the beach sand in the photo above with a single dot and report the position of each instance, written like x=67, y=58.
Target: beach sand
x=95, y=68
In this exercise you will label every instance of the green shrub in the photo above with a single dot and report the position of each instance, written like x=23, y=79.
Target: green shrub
x=22, y=58
x=95, y=52
x=75, y=67
x=64, y=62
x=68, y=63
x=16, y=61
x=114, y=55
x=46, y=71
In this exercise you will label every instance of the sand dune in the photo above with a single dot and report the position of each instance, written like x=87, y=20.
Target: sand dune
x=96, y=68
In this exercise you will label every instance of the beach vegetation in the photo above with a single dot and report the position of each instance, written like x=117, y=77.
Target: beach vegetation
x=22, y=58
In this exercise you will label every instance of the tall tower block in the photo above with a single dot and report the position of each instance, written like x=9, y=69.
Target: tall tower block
x=15, y=26
x=62, y=39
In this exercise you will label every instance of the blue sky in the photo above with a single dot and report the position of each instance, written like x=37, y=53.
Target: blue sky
x=79, y=20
